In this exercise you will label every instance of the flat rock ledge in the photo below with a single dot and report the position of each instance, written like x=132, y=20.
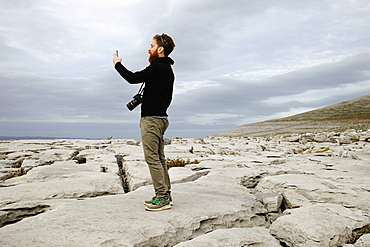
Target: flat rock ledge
x=296, y=190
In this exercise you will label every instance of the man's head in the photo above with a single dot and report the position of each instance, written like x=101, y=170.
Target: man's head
x=161, y=46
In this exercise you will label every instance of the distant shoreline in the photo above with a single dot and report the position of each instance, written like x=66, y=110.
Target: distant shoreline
x=13, y=138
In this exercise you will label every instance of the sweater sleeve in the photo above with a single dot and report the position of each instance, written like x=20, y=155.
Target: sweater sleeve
x=135, y=77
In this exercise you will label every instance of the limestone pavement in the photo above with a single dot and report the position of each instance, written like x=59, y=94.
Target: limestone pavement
x=279, y=191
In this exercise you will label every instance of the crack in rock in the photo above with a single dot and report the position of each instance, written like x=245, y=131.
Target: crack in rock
x=122, y=173
x=193, y=177
x=128, y=185
x=177, y=234
x=11, y=214
x=251, y=181
x=275, y=203
x=75, y=156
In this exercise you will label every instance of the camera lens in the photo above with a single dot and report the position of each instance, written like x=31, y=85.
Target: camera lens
x=138, y=98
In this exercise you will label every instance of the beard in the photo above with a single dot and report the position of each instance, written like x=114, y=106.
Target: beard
x=153, y=56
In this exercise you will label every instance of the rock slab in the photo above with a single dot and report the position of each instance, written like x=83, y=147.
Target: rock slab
x=279, y=191
x=318, y=225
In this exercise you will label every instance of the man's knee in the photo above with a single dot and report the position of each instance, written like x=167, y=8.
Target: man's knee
x=152, y=160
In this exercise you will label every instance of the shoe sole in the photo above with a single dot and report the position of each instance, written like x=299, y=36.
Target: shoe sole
x=158, y=209
x=147, y=204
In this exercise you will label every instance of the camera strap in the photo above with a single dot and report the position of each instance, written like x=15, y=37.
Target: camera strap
x=141, y=90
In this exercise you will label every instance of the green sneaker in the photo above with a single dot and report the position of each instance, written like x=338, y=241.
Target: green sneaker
x=146, y=203
x=158, y=204
x=149, y=202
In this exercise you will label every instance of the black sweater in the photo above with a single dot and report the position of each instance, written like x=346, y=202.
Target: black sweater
x=159, y=79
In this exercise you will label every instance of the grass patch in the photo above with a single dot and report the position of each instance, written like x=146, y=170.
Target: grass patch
x=18, y=173
x=358, y=233
x=323, y=149
x=179, y=162
x=17, y=164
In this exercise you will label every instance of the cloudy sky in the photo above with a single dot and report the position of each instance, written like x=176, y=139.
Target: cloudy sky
x=236, y=62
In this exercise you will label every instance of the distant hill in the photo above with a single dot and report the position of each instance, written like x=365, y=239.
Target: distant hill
x=351, y=114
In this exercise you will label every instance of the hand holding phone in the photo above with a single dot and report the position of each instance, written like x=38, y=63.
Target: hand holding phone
x=116, y=59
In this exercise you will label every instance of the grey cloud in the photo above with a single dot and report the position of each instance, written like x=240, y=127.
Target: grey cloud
x=245, y=97
x=56, y=66
x=324, y=76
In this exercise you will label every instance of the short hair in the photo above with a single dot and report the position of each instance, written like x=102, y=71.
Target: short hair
x=166, y=42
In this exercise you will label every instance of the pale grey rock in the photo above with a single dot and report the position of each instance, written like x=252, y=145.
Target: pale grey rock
x=363, y=241
x=308, y=136
x=14, y=212
x=303, y=140
x=318, y=225
x=320, y=137
x=135, y=143
x=64, y=179
x=300, y=189
x=344, y=140
x=234, y=237
x=137, y=174
x=251, y=180
x=293, y=138
x=199, y=207
x=239, y=183
x=217, y=163
x=184, y=174
x=365, y=137
x=272, y=201
x=329, y=185
x=354, y=136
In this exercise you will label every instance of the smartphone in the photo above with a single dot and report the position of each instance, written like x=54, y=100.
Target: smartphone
x=117, y=53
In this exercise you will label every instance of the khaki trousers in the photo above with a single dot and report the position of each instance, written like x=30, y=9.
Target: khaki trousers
x=152, y=132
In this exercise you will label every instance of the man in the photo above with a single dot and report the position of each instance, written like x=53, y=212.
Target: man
x=158, y=78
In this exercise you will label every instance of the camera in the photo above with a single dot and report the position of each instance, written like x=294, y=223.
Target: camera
x=138, y=98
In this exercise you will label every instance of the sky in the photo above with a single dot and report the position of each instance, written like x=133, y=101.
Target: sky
x=236, y=62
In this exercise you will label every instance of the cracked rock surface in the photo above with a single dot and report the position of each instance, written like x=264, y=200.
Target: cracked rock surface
x=278, y=191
